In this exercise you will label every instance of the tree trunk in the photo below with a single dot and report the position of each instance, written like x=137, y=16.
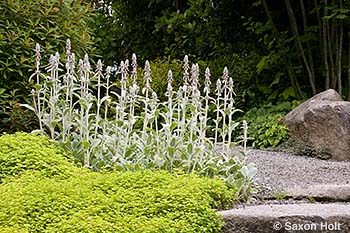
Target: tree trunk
x=295, y=32
x=349, y=64
x=330, y=36
x=325, y=33
x=340, y=50
x=319, y=21
x=287, y=61
x=336, y=52
x=308, y=48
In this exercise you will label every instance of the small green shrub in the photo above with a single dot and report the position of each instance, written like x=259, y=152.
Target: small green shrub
x=268, y=131
x=265, y=125
x=13, y=117
x=22, y=151
x=142, y=201
x=22, y=25
x=160, y=70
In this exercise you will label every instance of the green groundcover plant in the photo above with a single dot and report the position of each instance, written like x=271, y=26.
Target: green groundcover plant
x=142, y=201
x=22, y=152
x=48, y=193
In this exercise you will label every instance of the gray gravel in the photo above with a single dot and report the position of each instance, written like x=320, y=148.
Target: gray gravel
x=280, y=171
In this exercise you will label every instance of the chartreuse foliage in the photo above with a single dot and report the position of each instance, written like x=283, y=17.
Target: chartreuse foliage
x=21, y=152
x=142, y=201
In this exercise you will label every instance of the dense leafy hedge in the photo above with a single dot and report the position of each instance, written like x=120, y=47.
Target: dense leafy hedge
x=22, y=25
x=21, y=152
x=142, y=201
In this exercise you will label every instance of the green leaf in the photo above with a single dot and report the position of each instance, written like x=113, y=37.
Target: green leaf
x=264, y=89
x=2, y=90
x=277, y=78
x=289, y=92
x=263, y=64
x=86, y=144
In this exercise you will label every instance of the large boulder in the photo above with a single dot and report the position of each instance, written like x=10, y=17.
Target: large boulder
x=322, y=123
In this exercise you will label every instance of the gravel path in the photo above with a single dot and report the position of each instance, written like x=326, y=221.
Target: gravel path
x=279, y=171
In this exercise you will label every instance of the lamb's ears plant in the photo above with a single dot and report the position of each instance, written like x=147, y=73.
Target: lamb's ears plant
x=245, y=136
x=173, y=134
x=36, y=92
x=218, y=107
x=134, y=68
x=248, y=172
x=186, y=67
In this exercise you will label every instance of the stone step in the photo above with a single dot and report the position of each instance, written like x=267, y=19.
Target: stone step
x=314, y=218
x=321, y=193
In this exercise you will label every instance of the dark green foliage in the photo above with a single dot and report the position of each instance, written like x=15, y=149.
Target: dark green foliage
x=13, y=117
x=212, y=33
x=143, y=201
x=160, y=70
x=21, y=152
x=269, y=80
x=159, y=73
x=270, y=62
x=265, y=127
x=268, y=131
x=194, y=30
x=130, y=29
x=205, y=30
x=22, y=25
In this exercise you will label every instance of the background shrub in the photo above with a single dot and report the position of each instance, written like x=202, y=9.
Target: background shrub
x=268, y=131
x=21, y=152
x=160, y=68
x=22, y=25
x=142, y=201
x=265, y=125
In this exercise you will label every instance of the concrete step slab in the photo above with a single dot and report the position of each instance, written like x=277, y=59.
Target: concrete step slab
x=314, y=218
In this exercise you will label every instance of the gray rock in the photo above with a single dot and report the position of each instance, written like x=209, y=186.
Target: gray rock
x=334, y=217
x=322, y=192
x=322, y=123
